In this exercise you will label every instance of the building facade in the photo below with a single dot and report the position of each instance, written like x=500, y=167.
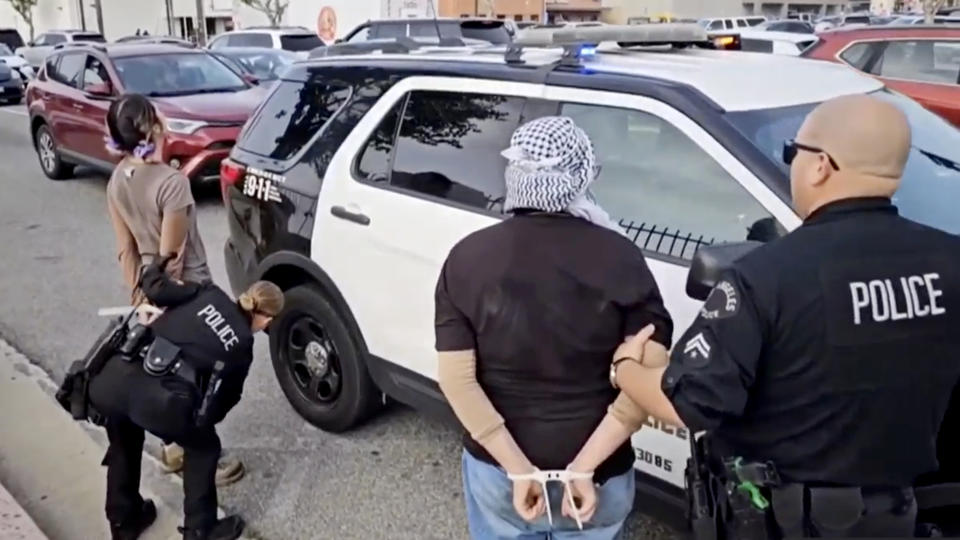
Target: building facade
x=515, y=10
x=621, y=11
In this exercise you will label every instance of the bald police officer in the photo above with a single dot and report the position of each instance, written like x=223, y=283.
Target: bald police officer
x=831, y=352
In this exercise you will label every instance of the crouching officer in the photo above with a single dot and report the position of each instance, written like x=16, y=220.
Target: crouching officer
x=177, y=378
x=823, y=362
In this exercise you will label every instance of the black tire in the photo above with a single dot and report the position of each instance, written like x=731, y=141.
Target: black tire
x=48, y=152
x=309, y=344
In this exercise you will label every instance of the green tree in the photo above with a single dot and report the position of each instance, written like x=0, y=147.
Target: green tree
x=24, y=8
x=273, y=9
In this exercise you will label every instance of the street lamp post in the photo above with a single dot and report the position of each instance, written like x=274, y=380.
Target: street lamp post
x=99, y=8
x=201, y=28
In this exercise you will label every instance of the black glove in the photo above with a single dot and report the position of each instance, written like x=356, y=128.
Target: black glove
x=162, y=291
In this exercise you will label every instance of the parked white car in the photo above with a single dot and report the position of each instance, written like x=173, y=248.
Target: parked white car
x=787, y=43
x=852, y=20
x=36, y=51
x=16, y=63
x=296, y=39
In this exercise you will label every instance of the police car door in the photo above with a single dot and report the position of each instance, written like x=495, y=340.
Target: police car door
x=673, y=188
x=420, y=172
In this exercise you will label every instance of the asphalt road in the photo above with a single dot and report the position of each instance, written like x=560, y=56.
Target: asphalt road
x=397, y=477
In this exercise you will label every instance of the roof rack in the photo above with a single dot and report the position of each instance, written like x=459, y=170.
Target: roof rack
x=578, y=42
x=87, y=44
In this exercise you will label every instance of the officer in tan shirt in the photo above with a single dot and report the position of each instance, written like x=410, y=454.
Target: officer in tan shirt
x=153, y=213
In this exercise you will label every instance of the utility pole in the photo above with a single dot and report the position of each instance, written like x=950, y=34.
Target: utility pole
x=83, y=16
x=201, y=26
x=169, y=6
x=96, y=4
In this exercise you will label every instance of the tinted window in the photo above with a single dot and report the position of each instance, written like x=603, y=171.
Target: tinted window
x=219, y=43
x=69, y=69
x=363, y=34
x=250, y=40
x=728, y=23
x=449, y=146
x=92, y=38
x=742, y=23
x=754, y=21
x=429, y=29
x=11, y=38
x=922, y=60
x=756, y=45
x=177, y=74
x=374, y=162
x=715, y=25
x=390, y=30
x=5, y=51
x=265, y=64
x=493, y=32
x=668, y=193
x=291, y=117
x=858, y=54
x=857, y=20
x=54, y=39
x=931, y=181
x=300, y=42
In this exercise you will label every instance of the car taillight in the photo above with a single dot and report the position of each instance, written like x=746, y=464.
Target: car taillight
x=230, y=173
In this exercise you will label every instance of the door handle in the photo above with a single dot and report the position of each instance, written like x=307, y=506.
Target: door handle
x=356, y=217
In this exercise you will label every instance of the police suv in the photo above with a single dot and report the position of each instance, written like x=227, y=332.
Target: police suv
x=358, y=174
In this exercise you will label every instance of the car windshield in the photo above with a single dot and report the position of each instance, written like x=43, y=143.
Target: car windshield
x=177, y=75
x=931, y=181
x=300, y=42
x=266, y=64
x=5, y=51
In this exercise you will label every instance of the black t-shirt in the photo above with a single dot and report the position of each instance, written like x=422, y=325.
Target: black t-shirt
x=545, y=299
x=832, y=352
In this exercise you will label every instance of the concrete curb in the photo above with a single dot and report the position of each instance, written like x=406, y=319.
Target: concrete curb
x=51, y=464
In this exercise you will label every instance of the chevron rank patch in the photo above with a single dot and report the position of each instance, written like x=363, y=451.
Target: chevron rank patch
x=697, y=350
x=723, y=302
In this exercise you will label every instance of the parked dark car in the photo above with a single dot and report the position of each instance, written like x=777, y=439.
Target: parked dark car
x=493, y=31
x=11, y=38
x=11, y=85
x=204, y=105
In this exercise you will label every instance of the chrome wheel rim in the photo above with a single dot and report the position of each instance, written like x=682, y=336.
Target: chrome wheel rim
x=48, y=156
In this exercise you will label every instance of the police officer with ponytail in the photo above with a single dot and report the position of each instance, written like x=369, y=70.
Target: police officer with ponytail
x=177, y=376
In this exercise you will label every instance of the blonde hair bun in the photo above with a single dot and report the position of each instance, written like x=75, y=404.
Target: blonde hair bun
x=262, y=297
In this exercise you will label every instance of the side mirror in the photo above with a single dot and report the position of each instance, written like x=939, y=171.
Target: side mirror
x=709, y=263
x=98, y=91
x=250, y=78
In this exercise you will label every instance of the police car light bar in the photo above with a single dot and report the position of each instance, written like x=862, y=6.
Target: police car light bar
x=632, y=35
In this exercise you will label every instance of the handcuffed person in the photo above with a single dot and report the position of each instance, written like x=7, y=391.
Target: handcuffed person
x=153, y=211
x=822, y=363
x=177, y=378
x=528, y=315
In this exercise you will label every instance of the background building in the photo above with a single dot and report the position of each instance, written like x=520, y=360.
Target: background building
x=620, y=11
x=516, y=10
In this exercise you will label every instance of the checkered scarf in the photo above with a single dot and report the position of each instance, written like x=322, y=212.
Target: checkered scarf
x=551, y=164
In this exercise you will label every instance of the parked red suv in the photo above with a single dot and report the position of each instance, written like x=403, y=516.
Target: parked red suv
x=922, y=62
x=204, y=105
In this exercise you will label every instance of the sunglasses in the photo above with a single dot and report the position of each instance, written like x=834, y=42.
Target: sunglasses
x=562, y=476
x=792, y=147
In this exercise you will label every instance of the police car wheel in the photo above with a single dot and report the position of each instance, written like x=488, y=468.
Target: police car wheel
x=319, y=363
x=50, y=161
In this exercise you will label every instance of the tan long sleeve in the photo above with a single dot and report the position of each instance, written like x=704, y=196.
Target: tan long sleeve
x=458, y=380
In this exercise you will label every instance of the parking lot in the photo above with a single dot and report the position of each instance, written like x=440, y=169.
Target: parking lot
x=396, y=477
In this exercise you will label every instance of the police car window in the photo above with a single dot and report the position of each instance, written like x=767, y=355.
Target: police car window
x=291, y=117
x=921, y=60
x=448, y=146
x=373, y=165
x=858, y=54
x=667, y=193
x=931, y=180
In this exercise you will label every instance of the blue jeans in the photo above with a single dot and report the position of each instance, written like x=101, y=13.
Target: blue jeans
x=491, y=516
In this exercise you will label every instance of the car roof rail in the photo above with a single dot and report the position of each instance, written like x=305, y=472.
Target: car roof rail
x=580, y=42
x=80, y=44
x=268, y=27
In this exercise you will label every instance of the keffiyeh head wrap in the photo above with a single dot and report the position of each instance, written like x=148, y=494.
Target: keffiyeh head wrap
x=551, y=164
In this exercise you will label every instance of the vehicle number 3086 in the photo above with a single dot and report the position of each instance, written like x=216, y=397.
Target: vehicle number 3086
x=653, y=459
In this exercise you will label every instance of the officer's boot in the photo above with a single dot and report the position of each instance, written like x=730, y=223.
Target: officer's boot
x=132, y=528
x=228, y=528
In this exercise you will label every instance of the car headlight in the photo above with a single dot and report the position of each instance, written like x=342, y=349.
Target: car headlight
x=183, y=127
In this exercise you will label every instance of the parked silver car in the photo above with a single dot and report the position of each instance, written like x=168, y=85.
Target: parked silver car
x=36, y=51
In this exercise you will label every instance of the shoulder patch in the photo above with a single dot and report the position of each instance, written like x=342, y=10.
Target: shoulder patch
x=723, y=302
x=697, y=350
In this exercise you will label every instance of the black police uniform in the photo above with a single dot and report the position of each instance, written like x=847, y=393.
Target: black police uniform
x=209, y=328
x=831, y=352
